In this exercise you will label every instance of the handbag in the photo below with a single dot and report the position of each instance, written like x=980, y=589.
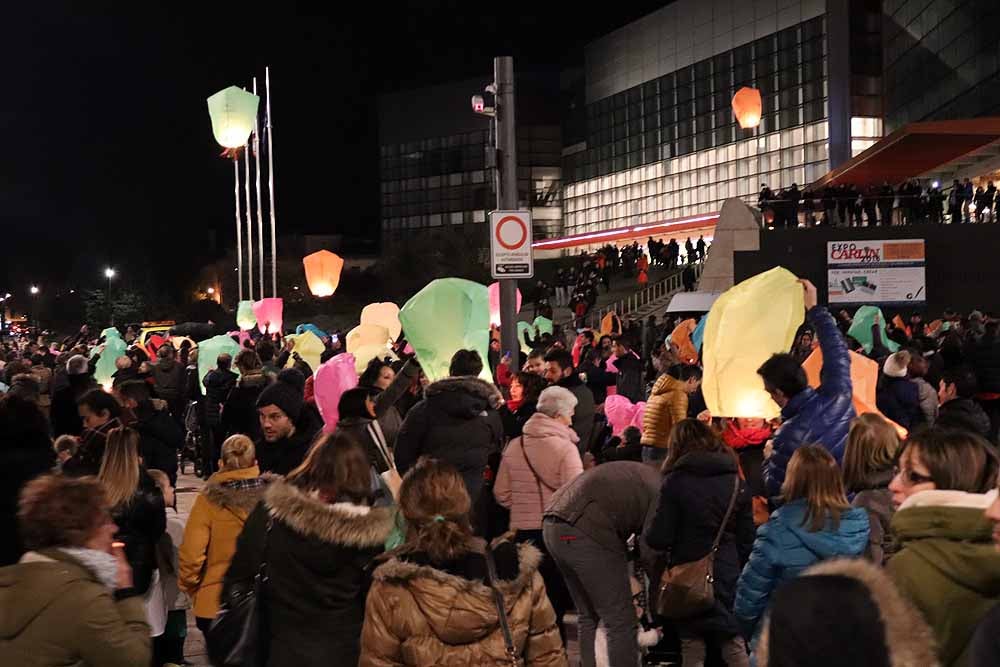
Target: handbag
x=390, y=477
x=235, y=637
x=538, y=478
x=688, y=589
x=508, y=639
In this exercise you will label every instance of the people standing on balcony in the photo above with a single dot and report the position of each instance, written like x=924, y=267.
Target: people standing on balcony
x=886, y=197
x=869, y=203
x=955, y=202
x=967, y=195
x=792, y=196
x=689, y=249
x=842, y=197
x=829, y=204
x=700, y=248
x=935, y=199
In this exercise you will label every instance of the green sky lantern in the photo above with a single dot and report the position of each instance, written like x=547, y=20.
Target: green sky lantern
x=114, y=347
x=233, y=111
x=209, y=351
x=245, y=318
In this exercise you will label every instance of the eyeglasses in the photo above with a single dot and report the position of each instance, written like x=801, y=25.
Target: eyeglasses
x=910, y=477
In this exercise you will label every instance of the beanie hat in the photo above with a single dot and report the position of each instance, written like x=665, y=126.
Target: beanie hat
x=286, y=393
x=896, y=364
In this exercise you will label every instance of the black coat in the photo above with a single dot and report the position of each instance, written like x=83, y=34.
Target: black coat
x=630, y=377
x=899, y=400
x=318, y=559
x=966, y=414
x=218, y=384
x=89, y=453
x=514, y=421
x=284, y=455
x=141, y=523
x=456, y=422
x=160, y=438
x=984, y=357
x=692, y=502
x=64, y=414
x=240, y=412
x=356, y=428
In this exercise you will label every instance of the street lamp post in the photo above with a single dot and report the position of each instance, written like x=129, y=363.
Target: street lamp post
x=3, y=312
x=109, y=273
x=34, y=305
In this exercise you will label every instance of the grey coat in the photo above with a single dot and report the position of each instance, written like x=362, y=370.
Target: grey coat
x=876, y=500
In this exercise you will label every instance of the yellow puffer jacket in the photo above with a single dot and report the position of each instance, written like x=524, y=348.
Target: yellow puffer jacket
x=667, y=405
x=419, y=616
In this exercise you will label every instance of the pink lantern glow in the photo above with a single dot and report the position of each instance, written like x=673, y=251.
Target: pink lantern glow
x=330, y=382
x=494, y=293
x=269, y=313
x=622, y=413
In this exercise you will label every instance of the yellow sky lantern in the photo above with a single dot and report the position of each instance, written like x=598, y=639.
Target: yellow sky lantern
x=747, y=107
x=233, y=111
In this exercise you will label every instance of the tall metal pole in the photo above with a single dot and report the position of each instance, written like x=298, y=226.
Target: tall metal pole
x=239, y=229
x=503, y=73
x=260, y=215
x=270, y=183
x=249, y=219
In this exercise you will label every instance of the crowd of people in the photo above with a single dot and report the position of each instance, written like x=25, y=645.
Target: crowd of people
x=849, y=205
x=460, y=520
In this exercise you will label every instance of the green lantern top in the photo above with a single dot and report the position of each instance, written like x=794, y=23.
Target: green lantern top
x=233, y=112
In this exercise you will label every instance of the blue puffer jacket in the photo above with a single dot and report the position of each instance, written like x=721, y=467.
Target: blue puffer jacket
x=816, y=416
x=785, y=547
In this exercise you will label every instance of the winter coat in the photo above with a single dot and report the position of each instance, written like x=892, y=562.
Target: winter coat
x=785, y=547
x=816, y=416
x=947, y=565
x=610, y=503
x=876, y=499
x=984, y=358
x=390, y=417
x=218, y=383
x=598, y=380
x=123, y=375
x=216, y=520
x=318, y=555
x=64, y=414
x=168, y=379
x=928, y=401
x=630, y=377
x=667, y=405
x=899, y=400
x=514, y=420
x=23, y=457
x=692, y=503
x=550, y=446
x=55, y=611
x=422, y=614
x=583, y=415
x=357, y=428
x=160, y=438
x=966, y=414
x=985, y=649
x=239, y=413
x=44, y=377
x=141, y=523
x=456, y=422
x=286, y=454
x=89, y=453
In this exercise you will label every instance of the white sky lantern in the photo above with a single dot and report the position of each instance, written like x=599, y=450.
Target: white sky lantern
x=233, y=111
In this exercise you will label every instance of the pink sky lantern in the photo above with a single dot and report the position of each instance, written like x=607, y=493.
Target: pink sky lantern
x=494, y=292
x=323, y=272
x=269, y=313
x=331, y=380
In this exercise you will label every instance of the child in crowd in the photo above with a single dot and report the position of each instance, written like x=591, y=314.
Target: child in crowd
x=65, y=446
x=168, y=647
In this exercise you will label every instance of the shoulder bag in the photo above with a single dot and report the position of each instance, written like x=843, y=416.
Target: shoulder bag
x=391, y=476
x=538, y=478
x=508, y=639
x=688, y=589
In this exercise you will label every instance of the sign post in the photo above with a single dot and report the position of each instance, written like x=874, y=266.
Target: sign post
x=510, y=245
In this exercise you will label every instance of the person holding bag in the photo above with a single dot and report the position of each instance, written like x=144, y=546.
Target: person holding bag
x=704, y=520
x=357, y=420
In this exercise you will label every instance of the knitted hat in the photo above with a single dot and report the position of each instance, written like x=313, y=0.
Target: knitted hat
x=286, y=393
x=896, y=364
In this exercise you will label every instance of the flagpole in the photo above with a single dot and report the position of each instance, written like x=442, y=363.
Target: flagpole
x=239, y=228
x=260, y=216
x=270, y=183
x=249, y=219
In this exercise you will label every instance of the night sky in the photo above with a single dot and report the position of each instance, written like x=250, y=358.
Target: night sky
x=107, y=150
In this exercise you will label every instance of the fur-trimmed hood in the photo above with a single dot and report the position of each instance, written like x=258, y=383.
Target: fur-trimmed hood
x=341, y=523
x=459, y=610
x=465, y=396
x=242, y=496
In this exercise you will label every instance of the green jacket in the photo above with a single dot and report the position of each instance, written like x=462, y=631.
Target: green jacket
x=54, y=611
x=947, y=565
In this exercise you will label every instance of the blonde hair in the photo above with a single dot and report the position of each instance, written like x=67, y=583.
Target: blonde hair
x=238, y=452
x=436, y=505
x=813, y=475
x=871, y=448
x=160, y=478
x=119, y=471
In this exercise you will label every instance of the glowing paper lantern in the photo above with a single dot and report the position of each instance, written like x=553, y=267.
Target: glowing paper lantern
x=114, y=347
x=323, y=272
x=622, y=413
x=747, y=107
x=367, y=341
x=330, y=382
x=680, y=338
x=698, y=336
x=861, y=329
x=864, y=381
x=447, y=315
x=384, y=314
x=245, y=318
x=494, y=292
x=522, y=328
x=611, y=324
x=209, y=351
x=543, y=325
x=309, y=347
x=747, y=324
x=233, y=112
x=302, y=328
x=268, y=313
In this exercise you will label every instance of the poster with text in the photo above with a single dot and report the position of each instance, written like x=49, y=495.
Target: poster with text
x=876, y=272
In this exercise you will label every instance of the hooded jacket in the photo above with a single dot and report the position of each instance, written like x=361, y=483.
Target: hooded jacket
x=216, y=520
x=550, y=446
x=55, y=611
x=667, y=405
x=168, y=379
x=899, y=399
x=421, y=616
x=318, y=555
x=218, y=383
x=785, y=547
x=239, y=414
x=947, y=565
x=964, y=413
x=816, y=416
x=456, y=422
x=583, y=416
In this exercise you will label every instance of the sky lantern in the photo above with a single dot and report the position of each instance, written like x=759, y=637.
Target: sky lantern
x=209, y=351
x=245, y=319
x=323, y=272
x=309, y=347
x=494, y=293
x=114, y=347
x=269, y=313
x=368, y=341
x=332, y=379
x=384, y=314
x=747, y=324
x=747, y=107
x=233, y=112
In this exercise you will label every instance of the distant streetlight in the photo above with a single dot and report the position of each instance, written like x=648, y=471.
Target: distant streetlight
x=34, y=290
x=109, y=273
x=34, y=304
x=210, y=290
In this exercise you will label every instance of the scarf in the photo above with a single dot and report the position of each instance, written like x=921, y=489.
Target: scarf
x=103, y=565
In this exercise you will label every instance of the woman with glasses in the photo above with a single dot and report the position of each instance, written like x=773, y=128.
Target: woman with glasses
x=947, y=564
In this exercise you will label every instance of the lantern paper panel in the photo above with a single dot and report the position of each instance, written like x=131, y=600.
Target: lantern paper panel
x=681, y=339
x=209, y=351
x=323, y=270
x=245, y=318
x=114, y=347
x=233, y=111
x=622, y=413
x=384, y=314
x=302, y=328
x=269, y=313
x=698, y=335
x=522, y=328
x=447, y=315
x=332, y=379
x=747, y=107
x=366, y=353
x=611, y=324
x=365, y=335
x=543, y=325
x=494, y=293
x=861, y=329
x=747, y=324
x=309, y=348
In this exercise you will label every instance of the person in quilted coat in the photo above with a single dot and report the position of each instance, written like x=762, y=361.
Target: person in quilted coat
x=809, y=416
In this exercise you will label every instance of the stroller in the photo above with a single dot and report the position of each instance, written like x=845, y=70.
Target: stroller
x=194, y=448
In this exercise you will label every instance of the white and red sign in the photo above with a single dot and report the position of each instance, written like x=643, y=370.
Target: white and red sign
x=510, y=244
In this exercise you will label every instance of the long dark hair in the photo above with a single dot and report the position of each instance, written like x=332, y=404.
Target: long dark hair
x=691, y=435
x=338, y=468
x=436, y=506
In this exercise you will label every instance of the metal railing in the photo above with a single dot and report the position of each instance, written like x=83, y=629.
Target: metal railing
x=633, y=302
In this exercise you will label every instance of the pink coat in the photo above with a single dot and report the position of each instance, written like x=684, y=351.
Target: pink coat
x=551, y=448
